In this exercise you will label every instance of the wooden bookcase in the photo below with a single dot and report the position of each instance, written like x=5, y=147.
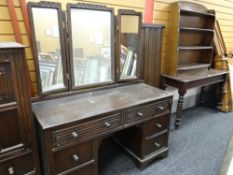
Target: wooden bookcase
x=190, y=39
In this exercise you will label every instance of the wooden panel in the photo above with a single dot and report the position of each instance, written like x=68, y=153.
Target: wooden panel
x=7, y=38
x=4, y=15
x=3, y=2
x=19, y=13
x=6, y=27
x=31, y=65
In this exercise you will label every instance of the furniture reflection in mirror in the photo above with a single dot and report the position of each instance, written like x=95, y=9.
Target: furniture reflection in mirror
x=91, y=44
x=48, y=50
x=128, y=43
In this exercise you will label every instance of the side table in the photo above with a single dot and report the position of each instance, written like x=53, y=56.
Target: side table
x=190, y=80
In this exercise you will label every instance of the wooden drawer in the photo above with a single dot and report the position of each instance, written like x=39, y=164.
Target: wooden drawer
x=87, y=130
x=21, y=165
x=73, y=157
x=85, y=170
x=10, y=135
x=144, y=111
x=157, y=125
x=157, y=143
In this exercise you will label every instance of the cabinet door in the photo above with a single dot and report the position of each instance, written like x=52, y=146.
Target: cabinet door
x=6, y=85
x=12, y=135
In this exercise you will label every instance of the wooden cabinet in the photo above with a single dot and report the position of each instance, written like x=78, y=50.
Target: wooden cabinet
x=190, y=39
x=18, y=154
x=151, y=53
x=71, y=128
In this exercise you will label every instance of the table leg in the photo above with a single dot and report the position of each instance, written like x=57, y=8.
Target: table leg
x=203, y=94
x=221, y=94
x=163, y=84
x=179, y=108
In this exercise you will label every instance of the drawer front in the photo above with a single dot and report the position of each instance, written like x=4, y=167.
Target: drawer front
x=156, y=143
x=87, y=130
x=157, y=125
x=73, y=157
x=86, y=170
x=19, y=166
x=10, y=131
x=144, y=111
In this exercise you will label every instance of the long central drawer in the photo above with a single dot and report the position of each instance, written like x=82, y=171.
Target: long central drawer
x=86, y=130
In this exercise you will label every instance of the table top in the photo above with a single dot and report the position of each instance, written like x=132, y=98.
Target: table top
x=55, y=112
x=195, y=76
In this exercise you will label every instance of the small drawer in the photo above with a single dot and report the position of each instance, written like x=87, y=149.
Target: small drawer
x=156, y=125
x=20, y=165
x=86, y=130
x=156, y=143
x=144, y=111
x=73, y=157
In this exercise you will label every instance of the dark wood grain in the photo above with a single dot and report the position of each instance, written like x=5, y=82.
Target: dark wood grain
x=151, y=53
x=55, y=112
x=76, y=125
x=18, y=150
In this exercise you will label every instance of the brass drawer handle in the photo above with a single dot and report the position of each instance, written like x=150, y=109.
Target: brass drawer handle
x=140, y=114
x=107, y=124
x=157, y=144
x=75, y=157
x=11, y=170
x=158, y=125
x=161, y=108
x=74, y=134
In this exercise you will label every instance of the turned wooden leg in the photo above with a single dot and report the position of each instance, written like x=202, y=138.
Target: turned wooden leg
x=163, y=83
x=179, y=107
x=203, y=94
x=220, y=95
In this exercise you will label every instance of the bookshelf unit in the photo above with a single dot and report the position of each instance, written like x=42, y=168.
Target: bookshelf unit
x=189, y=52
x=190, y=39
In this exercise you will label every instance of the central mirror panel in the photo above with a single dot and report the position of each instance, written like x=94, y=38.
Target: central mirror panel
x=91, y=46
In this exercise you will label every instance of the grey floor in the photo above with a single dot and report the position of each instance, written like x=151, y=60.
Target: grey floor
x=197, y=148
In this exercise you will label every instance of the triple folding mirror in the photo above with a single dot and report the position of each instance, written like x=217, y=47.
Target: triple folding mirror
x=88, y=58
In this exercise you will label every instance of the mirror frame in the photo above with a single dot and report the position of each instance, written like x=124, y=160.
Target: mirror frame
x=61, y=26
x=112, y=28
x=118, y=47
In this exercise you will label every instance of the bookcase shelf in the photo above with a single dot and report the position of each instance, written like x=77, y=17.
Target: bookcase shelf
x=196, y=13
x=192, y=29
x=195, y=47
x=190, y=38
x=189, y=66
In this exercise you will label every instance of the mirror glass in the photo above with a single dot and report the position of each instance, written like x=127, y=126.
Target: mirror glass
x=47, y=37
x=91, y=46
x=129, y=40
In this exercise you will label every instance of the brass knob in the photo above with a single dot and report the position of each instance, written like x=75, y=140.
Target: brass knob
x=75, y=157
x=10, y=170
x=75, y=134
x=158, y=125
x=107, y=124
x=161, y=108
x=140, y=114
x=157, y=144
